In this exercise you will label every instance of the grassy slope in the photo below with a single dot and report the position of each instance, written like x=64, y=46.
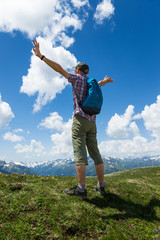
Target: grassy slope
x=34, y=207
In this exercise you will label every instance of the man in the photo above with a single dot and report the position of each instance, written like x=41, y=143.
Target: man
x=83, y=128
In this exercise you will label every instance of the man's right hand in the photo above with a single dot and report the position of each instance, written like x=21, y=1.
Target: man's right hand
x=105, y=81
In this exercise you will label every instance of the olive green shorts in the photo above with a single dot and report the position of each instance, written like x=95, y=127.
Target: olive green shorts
x=84, y=134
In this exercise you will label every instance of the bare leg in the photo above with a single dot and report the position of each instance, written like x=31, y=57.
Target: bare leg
x=81, y=173
x=79, y=190
x=100, y=172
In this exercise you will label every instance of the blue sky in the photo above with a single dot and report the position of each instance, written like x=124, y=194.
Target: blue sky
x=116, y=38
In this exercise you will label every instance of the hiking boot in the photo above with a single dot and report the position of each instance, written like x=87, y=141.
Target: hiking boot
x=100, y=190
x=76, y=191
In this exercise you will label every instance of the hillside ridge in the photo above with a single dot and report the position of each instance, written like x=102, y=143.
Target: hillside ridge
x=34, y=207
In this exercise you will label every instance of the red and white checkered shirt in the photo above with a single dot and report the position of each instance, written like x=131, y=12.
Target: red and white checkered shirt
x=80, y=84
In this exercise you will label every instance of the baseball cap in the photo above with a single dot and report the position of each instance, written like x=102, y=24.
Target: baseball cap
x=83, y=67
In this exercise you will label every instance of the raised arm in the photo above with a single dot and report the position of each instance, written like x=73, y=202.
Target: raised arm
x=55, y=66
x=105, y=81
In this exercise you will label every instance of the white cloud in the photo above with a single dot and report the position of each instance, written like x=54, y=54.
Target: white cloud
x=34, y=149
x=18, y=130
x=120, y=126
x=65, y=40
x=54, y=121
x=138, y=146
x=62, y=141
x=62, y=144
x=9, y=136
x=104, y=10
x=6, y=113
x=38, y=17
x=123, y=126
x=42, y=79
x=56, y=30
x=80, y=3
x=27, y=15
x=151, y=117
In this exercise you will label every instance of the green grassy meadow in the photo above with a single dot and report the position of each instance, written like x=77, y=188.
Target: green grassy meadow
x=34, y=207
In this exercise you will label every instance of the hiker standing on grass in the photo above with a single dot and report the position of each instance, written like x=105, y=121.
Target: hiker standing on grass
x=84, y=132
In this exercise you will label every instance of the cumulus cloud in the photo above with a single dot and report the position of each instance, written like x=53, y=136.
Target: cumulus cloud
x=122, y=126
x=27, y=15
x=54, y=121
x=151, y=116
x=35, y=148
x=104, y=10
x=9, y=136
x=18, y=130
x=62, y=142
x=80, y=3
x=38, y=17
x=138, y=146
x=42, y=79
x=6, y=114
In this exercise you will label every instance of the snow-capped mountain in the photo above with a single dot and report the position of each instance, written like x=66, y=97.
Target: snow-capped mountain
x=12, y=167
x=66, y=167
x=59, y=167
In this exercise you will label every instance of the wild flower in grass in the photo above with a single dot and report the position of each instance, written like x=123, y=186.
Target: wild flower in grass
x=153, y=196
x=105, y=183
x=157, y=230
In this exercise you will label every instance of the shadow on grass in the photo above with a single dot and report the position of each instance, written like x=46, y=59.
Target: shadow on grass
x=129, y=208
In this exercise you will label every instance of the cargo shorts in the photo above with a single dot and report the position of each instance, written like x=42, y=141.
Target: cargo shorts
x=84, y=135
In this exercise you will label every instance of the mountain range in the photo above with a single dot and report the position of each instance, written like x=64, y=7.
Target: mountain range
x=66, y=167
x=9, y=168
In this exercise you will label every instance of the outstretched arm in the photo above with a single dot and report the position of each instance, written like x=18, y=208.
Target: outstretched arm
x=105, y=81
x=55, y=66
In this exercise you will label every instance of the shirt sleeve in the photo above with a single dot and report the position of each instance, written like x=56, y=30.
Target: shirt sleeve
x=72, y=78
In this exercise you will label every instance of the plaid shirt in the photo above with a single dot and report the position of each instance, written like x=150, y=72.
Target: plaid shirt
x=80, y=84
